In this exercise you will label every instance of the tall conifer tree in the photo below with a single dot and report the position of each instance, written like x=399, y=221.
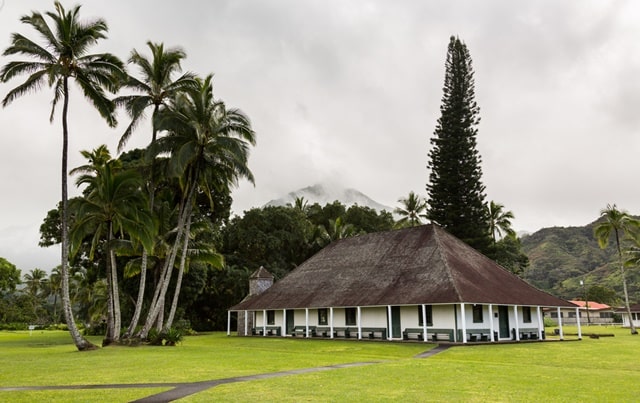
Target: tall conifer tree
x=455, y=189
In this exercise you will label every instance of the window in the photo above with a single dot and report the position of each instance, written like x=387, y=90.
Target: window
x=429, y=312
x=271, y=317
x=322, y=316
x=477, y=313
x=554, y=314
x=526, y=314
x=350, y=316
x=606, y=315
x=571, y=315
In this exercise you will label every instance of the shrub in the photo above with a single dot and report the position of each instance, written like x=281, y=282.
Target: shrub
x=173, y=336
x=154, y=337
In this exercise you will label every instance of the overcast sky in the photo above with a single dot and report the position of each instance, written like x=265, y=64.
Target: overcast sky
x=349, y=92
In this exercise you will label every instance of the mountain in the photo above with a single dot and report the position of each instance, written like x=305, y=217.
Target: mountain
x=560, y=257
x=324, y=193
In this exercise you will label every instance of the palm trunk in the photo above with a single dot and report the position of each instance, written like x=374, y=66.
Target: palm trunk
x=143, y=266
x=183, y=260
x=140, y=300
x=81, y=343
x=165, y=277
x=115, y=289
x=624, y=286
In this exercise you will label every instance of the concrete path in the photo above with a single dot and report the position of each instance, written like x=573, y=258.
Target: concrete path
x=180, y=390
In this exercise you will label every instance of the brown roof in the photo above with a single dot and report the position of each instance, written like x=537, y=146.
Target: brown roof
x=419, y=265
x=634, y=308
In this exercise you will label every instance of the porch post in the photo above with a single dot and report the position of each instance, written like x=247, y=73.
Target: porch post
x=579, y=324
x=359, y=319
x=331, y=321
x=264, y=322
x=284, y=322
x=540, y=323
x=228, y=323
x=463, y=323
x=491, y=323
x=515, y=314
x=389, y=322
x=306, y=321
x=246, y=322
x=560, y=324
x=424, y=322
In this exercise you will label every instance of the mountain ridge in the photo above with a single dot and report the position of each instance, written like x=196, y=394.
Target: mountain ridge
x=323, y=193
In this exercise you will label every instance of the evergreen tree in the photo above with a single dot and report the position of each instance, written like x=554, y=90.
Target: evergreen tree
x=455, y=190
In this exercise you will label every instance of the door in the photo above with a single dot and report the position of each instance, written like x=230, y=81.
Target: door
x=503, y=321
x=396, y=330
x=290, y=322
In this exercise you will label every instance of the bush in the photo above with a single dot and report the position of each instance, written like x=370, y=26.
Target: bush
x=154, y=337
x=14, y=326
x=173, y=336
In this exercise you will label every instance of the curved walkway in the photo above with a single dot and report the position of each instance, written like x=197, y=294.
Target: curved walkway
x=180, y=390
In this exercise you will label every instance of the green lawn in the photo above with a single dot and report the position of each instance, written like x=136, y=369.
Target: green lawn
x=602, y=369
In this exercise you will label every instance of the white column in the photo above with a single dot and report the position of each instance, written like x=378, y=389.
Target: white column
x=228, y=323
x=264, y=322
x=306, y=321
x=331, y=321
x=515, y=314
x=389, y=322
x=540, y=323
x=491, y=323
x=463, y=323
x=424, y=322
x=246, y=323
x=578, y=323
x=284, y=323
x=359, y=323
x=560, y=324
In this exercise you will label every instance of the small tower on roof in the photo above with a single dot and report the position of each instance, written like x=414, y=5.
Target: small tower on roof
x=259, y=282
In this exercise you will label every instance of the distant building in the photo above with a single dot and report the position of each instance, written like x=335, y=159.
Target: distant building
x=421, y=283
x=588, y=312
x=635, y=315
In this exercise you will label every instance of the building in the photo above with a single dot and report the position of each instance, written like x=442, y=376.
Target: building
x=592, y=313
x=635, y=315
x=421, y=283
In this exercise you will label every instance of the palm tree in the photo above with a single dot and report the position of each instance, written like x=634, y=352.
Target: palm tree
x=412, y=210
x=336, y=230
x=155, y=87
x=209, y=148
x=35, y=281
x=62, y=56
x=616, y=223
x=113, y=205
x=54, y=285
x=499, y=221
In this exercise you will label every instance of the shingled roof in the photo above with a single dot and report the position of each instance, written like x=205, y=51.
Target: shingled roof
x=419, y=265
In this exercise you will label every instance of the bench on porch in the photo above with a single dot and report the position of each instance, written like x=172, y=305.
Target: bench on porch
x=526, y=333
x=371, y=332
x=440, y=334
x=302, y=331
x=409, y=331
x=323, y=331
x=271, y=331
x=346, y=332
x=476, y=335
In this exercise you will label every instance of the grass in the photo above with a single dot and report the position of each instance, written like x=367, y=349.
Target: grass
x=602, y=369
